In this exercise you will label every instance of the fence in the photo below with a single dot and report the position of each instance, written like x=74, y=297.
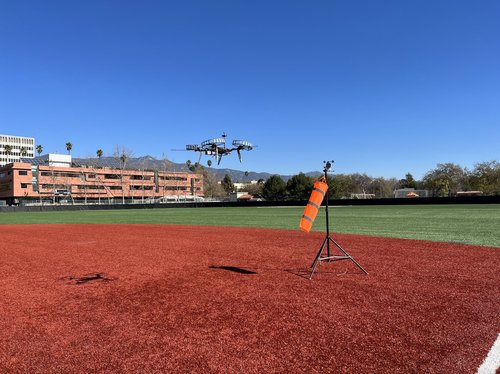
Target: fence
x=416, y=201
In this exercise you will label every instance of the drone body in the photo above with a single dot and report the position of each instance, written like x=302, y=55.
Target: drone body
x=217, y=148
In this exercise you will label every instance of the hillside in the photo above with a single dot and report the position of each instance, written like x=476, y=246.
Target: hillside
x=151, y=163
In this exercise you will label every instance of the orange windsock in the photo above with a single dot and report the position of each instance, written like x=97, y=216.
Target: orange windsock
x=318, y=193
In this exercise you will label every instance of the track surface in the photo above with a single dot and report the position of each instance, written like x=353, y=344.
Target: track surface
x=150, y=299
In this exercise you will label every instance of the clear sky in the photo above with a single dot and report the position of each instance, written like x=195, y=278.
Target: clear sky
x=381, y=87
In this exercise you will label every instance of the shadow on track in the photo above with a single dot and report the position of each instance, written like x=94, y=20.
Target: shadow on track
x=233, y=269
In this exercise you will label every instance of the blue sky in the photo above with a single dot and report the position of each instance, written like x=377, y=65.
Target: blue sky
x=381, y=87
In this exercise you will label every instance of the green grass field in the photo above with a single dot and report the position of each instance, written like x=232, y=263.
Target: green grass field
x=470, y=224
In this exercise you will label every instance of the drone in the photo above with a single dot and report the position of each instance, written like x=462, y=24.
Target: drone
x=217, y=148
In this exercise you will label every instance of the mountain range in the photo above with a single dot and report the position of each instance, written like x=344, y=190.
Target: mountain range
x=151, y=163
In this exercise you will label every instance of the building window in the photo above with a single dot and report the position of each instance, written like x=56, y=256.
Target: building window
x=138, y=188
x=23, y=172
x=24, y=185
x=174, y=178
x=174, y=188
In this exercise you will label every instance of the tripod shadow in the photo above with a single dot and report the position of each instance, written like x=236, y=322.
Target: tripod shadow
x=306, y=272
x=302, y=272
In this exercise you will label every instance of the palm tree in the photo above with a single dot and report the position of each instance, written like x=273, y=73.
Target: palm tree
x=123, y=159
x=23, y=152
x=8, y=149
x=99, y=154
x=209, y=163
x=69, y=146
x=39, y=149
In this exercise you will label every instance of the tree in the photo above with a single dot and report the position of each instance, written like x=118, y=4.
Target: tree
x=340, y=186
x=445, y=179
x=227, y=184
x=211, y=188
x=99, y=154
x=39, y=149
x=299, y=187
x=361, y=182
x=69, y=147
x=209, y=163
x=408, y=182
x=486, y=177
x=274, y=188
x=121, y=155
x=8, y=149
x=382, y=187
x=254, y=189
x=123, y=159
x=23, y=152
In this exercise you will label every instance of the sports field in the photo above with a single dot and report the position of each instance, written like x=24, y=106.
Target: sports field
x=469, y=224
x=179, y=290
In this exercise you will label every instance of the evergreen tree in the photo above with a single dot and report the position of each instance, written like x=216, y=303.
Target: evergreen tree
x=299, y=187
x=227, y=184
x=274, y=188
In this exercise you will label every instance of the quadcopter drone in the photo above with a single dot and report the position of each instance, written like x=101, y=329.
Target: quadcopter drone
x=217, y=148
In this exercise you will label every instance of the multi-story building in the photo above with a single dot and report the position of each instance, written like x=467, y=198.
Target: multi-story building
x=13, y=148
x=55, y=179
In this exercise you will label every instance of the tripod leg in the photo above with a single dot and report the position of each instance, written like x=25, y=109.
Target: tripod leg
x=348, y=255
x=317, y=259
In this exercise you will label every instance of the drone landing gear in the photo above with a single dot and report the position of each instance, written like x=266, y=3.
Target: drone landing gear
x=326, y=242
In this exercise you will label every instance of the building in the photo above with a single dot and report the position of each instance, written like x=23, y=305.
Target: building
x=55, y=179
x=410, y=193
x=13, y=148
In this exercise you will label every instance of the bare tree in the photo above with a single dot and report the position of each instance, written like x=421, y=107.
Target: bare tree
x=122, y=154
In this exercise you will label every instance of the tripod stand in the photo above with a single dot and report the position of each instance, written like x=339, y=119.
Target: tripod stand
x=328, y=239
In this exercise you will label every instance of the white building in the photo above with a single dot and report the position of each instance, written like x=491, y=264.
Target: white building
x=20, y=147
x=53, y=159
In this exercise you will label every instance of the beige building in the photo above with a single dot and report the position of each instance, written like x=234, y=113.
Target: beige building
x=13, y=148
x=55, y=179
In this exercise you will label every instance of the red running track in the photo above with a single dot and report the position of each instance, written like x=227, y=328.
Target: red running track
x=158, y=299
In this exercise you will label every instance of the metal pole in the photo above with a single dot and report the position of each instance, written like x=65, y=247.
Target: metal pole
x=327, y=220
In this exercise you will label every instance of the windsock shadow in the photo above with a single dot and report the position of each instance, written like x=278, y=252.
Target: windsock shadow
x=233, y=269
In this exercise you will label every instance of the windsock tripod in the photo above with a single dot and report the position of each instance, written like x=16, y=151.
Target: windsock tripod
x=328, y=239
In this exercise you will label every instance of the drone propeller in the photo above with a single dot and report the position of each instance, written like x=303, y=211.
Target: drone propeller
x=213, y=142
x=243, y=144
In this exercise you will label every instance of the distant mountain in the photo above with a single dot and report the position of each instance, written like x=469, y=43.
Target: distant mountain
x=151, y=163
